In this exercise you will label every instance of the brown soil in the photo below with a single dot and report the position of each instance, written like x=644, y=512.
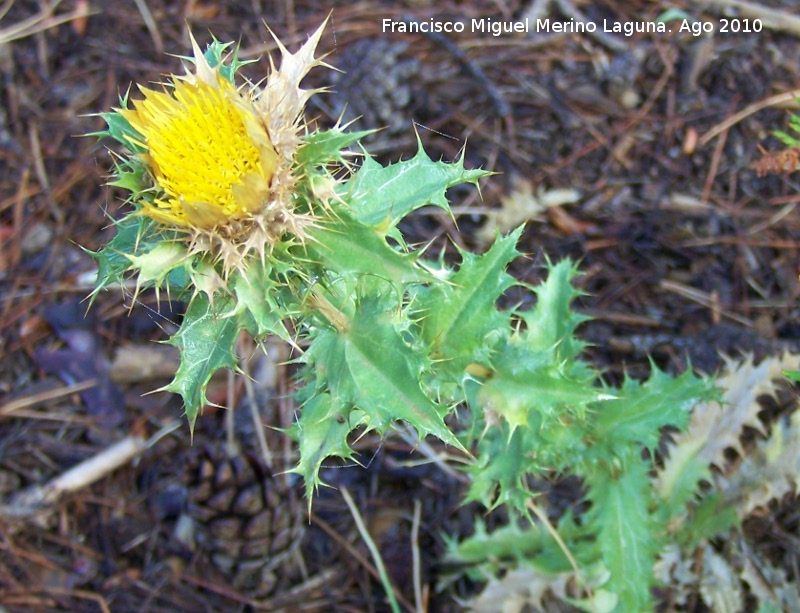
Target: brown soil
x=686, y=251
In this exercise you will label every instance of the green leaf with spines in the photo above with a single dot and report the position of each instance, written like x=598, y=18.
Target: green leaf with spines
x=537, y=380
x=254, y=292
x=325, y=147
x=130, y=175
x=640, y=410
x=793, y=375
x=387, y=374
x=347, y=246
x=369, y=364
x=704, y=519
x=540, y=393
x=551, y=324
x=532, y=546
x=509, y=453
x=326, y=366
x=786, y=138
x=380, y=196
x=537, y=398
x=627, y=536
x=501, y=470
x=113, y=260
x=206, y=342
x=458, y=319
x=120, y=129
x=321, y=431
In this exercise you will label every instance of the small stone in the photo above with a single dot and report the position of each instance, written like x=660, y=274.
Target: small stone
x=36, y=239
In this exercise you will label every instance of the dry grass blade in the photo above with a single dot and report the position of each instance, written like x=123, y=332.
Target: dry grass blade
x=563, y=546
x=778, y=99
x=373, y=549
x=28, y=401
x=43, y=20
x=152, y=26
x=416, y=559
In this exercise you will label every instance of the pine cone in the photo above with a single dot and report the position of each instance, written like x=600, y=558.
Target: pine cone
x=247, y=522
x=375, y=85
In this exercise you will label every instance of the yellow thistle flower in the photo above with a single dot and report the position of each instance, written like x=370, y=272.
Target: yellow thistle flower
x=208, y=152
x=221, y=158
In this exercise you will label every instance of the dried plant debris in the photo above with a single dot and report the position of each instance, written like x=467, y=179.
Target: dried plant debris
x=717, y=426
x=708, y=492
x=523, y=204
x=731, y=568
x=719, y=586
x=768, y=472
x=528, y=590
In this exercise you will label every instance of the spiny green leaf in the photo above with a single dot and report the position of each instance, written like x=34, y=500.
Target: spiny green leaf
x=640, y=410
x=500, y=473
x=206, y=342
x=793, y=375
x=113, y=260
x=534, y=392
x=325, y=146
x=707, y=518
x=347, y=246
x=532, y=546
x=381, y=196
x=254, y=292
x=129, y=175
x=321, y=432
x=457, y=317
x=120, y=129
x=552, y=323
x=387, y=375
x=788, y=139
x=326, y=366
x=625, y=532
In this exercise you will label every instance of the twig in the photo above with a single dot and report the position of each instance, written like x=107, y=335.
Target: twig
x=714, y=167
x=746, y=112
x=702, y=298
x=16, y=405
x=36, y=499
x=770, y=18
x=32, y=500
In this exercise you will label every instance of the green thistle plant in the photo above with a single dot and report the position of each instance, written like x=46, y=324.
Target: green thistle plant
x=788, y=139
x=257, y=221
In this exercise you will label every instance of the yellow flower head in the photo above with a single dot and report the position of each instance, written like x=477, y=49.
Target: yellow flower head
x=209, y=153
x=221, y=157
